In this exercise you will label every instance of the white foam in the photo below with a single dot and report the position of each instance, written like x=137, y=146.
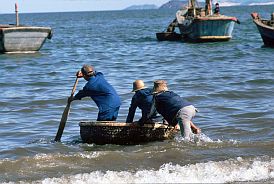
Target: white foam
x=87, y=155
x=231, y=170
x=203, y=138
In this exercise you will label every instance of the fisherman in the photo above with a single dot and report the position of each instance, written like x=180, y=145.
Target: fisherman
x=101, y=92
x=174, y=109
x=217, y=9
x=143, y=100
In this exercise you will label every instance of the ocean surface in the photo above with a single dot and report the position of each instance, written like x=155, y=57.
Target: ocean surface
x=231, y=83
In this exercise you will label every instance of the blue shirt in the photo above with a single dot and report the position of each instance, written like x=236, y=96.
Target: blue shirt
x=168, y=104
x=101, y=92
x=143, y=100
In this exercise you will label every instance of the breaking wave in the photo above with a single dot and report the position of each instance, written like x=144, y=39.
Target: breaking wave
x=232, y=170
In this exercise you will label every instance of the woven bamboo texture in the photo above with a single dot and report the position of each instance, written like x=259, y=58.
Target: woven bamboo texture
x=109, y=132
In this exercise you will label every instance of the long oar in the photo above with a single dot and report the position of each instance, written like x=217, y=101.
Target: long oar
x=65, y=116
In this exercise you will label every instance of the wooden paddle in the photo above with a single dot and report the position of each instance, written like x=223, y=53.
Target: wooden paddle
x=65, y=115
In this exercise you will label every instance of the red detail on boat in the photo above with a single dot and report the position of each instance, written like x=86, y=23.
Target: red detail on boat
x=219, y=18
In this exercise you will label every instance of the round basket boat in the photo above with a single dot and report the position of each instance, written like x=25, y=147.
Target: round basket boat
x=109, y=132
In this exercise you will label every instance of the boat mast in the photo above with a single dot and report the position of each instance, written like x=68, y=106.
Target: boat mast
x=209, y=7
x=192, y=5
x=16, y=13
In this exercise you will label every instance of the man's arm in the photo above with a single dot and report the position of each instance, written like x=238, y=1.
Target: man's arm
x=194, y=128
x=131, y=110
x=71, y=98
x=152, y=109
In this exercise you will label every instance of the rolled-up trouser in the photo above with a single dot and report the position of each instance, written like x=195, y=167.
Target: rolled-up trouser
x=183, y=117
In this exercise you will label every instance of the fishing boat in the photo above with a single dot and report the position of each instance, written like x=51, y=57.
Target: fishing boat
x=266, y=28
x=202, y=25
x=109, y=132
x=18, y=38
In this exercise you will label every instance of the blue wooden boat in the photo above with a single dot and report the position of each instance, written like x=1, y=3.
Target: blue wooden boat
x=266, y=28
x=202, y=25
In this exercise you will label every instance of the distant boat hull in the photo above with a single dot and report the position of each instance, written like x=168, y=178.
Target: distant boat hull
x=103, y=132
x=265, y=29
x=22, y=39
x=169, y=36
x=208, y=29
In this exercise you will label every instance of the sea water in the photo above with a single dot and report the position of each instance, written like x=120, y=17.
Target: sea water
x=231, y=83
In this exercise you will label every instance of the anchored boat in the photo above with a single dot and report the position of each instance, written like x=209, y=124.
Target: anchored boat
x=266, y=28
x=109, y=132
x=170, y=34
x=202, y=25
x=18, y=38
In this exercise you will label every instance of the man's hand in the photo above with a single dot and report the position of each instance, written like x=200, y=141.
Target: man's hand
x=79, y=74
x=177, y=127
x=70, y=99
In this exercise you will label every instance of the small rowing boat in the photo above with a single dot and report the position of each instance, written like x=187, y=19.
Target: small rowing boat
x=22, y=39
x=266, y=28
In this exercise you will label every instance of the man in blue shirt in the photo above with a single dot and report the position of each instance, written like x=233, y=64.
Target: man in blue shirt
x=101, y=92
x=143, y=100
x=174, y=109
x=217, y=9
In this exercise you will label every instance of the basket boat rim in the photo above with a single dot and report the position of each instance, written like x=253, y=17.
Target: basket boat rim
x=121, y=124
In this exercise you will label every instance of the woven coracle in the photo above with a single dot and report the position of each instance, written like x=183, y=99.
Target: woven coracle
x=109, y=132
